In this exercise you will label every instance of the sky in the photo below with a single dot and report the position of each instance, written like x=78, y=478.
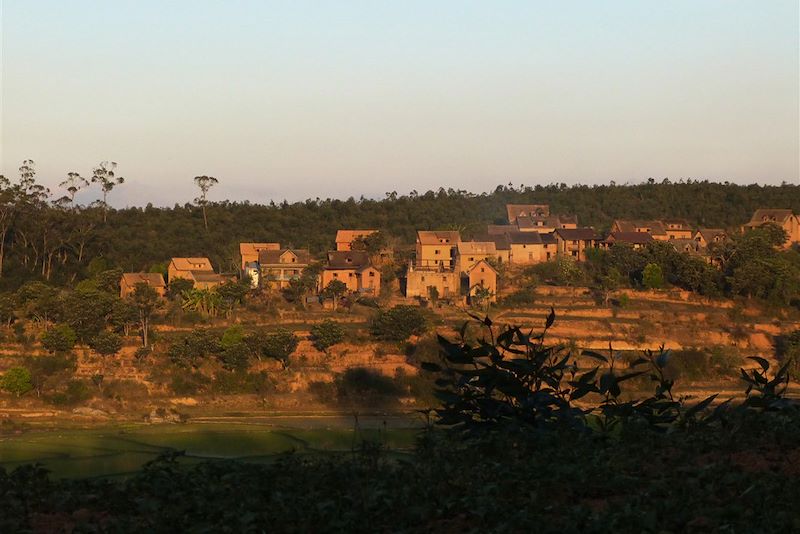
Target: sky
x=311, y=98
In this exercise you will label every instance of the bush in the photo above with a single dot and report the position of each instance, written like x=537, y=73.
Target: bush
x=190, y=350
x=358, y=387
x=77, y=391
x=326, y=334
x=106, y=343
x=125, y=390
x=279, y=345
x=652, y=276
x=61, y=338
x=232, y=336
x=522, y=297
x=237, y=382
x=189, y=383
x=398, y=323
x=16, y=380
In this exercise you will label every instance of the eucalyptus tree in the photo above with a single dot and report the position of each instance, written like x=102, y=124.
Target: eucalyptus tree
x=204, y=183
x=105, y=175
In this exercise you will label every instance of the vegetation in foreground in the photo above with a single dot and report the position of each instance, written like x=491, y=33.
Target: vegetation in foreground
x=525, y=441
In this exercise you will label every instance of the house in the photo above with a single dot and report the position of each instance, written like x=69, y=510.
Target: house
x=546, y=224
x=353, y=267
x=574, y=242
x=436, y=249
x=526, y=210
x=345, y=238
x=249, y=251
x=707, y=236
x=783, y=218
x=482, y=275
x=187, y=268
x=129, y=281
x=420, y=281
x=468, y=253
x=279, y=267
x=677, y=228
x=655, y=228
x=636, y=240
x=685, y=246
x=210, y=280
x=527, y=248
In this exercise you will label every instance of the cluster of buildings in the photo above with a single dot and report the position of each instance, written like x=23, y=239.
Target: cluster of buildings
x=446, y=266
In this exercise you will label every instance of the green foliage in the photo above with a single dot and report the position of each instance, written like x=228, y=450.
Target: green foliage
x=186, y=382
x=240, y=382
x=787, y=350
x=326, y=334
x=398, y=323
x=61, y=338
x=8, y=307
x=108, y=281
x=192, y=349
x=568, y=272
x=76, y=392
x=178, y=287
x=106, y=343
x=88, y=312
x=49, y=372
x=525, y=296
x=279, y=345
x=232, y=336
x=16, y=380
x=652, y=276
x=232, y=293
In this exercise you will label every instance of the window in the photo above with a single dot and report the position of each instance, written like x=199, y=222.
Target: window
x=422, y=279
x=372, y=274
x=483, y=271
x=436, y=251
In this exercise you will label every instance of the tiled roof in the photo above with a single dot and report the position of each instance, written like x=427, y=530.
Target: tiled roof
x=633, y=238
x=350, y=259
x=762, y=216
x=192, y=264
x=443, y=237
x=477, y=247
x=151, y=279
x=577, y=234
x=252, y=249
x=518, y=210
x=525, y=238
x=273, y=257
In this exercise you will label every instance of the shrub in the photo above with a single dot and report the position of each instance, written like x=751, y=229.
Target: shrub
x=106, y=343
x=326, y=334
x=232, y=336
x=61, y=338
x=125, y=390
x=280, y=345
x=652, y=276
x=16, y=380
x=189, y=382
x=77, y=391
x=237, y=382
x=787, y=349
x=190, y=350
x=362, y=387
x=398, y=323
x=524, y=296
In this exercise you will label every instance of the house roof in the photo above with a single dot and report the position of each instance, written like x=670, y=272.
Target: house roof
x=151, y=279
x=500, y=229
x=501, y=241
x=205, y=276
x=581, y=234
x=273, y=257
x=347, y=236
x=483, y=263
x=192, y=264
x=518, y=210
x=548, y=239
x=684, y=245
x=525, y=238
x=709, y=234
x=679, y=224
x=655, y=227
x=762, y=216
x=252, y=249
x=438, y=237
x=347, y=259
x=633, y=238
x=477, y=247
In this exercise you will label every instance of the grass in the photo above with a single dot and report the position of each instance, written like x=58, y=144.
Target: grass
x=113, y=451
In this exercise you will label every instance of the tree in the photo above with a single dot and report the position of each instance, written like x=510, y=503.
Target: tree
x=60, y=339
x=88, y=312
x=73, y=184
x=301, y=286
x=8, y=308
x=16, y=380
x=569, y=273
x=480, y=294
x=232, y=293
x=104, y=174
x=398, y=323
x=326, y=334
x=433, y=294
x=204, y=183
x=124, y=315
x=652, y=276
x=192, y=349
x=280, y=345
x=146, y=301
x=178, y=287
x=334, y=290
x=40, y=302
x=47, y=371
x=106, y=343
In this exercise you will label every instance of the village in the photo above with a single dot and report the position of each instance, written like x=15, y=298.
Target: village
x=445, y=266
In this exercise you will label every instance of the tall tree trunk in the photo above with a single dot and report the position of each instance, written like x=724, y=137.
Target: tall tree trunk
x=205, y=219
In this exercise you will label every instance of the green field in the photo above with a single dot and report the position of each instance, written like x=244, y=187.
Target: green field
x=120, y=450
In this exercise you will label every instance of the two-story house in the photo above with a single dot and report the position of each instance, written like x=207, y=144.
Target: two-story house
x=482, y=275
x=574, y=242
x=354, y=269
x=655, y=228
x=468, y=253
x=129, y=281
x=436, y=249
x=345, y=238
x=249, y=251
x=783, y=218
x=279, y=267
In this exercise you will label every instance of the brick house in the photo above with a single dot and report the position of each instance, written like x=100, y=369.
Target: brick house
x=128, y=282
x=436, y=249
x=249, y=251
x=355, y=269
x=783, y=218
x=345, y=238
x=279, y=267
x=482, y=274
x=574, y=242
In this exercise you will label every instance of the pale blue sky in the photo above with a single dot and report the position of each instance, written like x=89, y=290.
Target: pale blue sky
x=301, y=99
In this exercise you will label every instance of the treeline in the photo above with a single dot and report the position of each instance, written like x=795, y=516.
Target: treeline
x=45, y=236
